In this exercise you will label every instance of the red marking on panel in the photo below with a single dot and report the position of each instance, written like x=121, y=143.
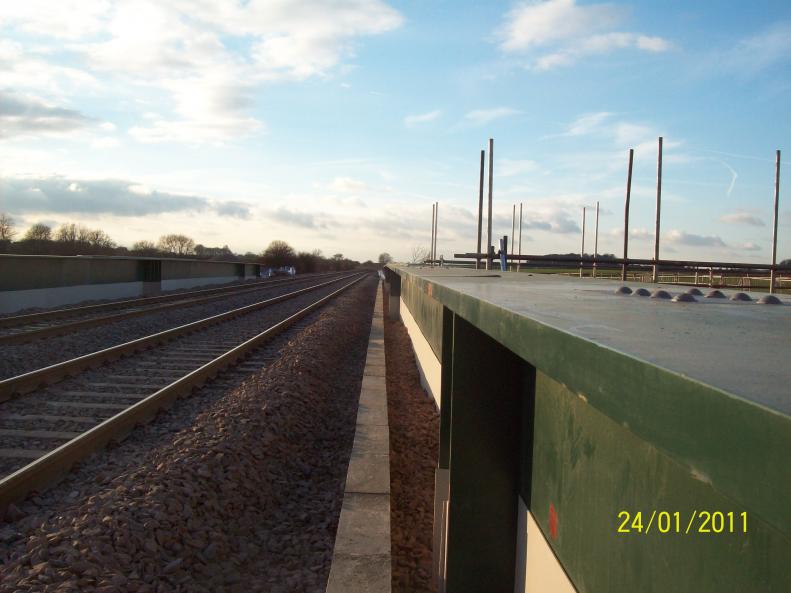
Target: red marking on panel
x=553, y=521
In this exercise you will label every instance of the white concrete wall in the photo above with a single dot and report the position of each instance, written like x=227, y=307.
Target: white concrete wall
x=537, y=568
x=16, y=300
x=427, y=362
x=176, y=283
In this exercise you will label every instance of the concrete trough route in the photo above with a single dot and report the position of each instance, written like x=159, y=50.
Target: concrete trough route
x=361, y=561
x=595, y=441
x=49, y=467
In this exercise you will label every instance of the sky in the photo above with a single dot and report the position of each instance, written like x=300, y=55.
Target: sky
x=335, y=125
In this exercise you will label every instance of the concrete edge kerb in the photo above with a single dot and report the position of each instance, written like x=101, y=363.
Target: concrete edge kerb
x=361, y=560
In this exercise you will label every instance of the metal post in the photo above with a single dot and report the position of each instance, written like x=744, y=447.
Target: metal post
x=436, y=226
x=513, y=232
x=582, y=251
x=655, y=275
x=431, y=245
x=480, y=214
x=596, y=240
x=489, y=246
x=519, y=261
x=626, y=215
x=773, y=272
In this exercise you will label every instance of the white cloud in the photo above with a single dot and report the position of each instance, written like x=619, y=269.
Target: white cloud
x=587, y=123
x=542, y=23
x=347, y=184
x=25, y=116
x=511, y=167
x=105, y=142
x=749, y=246
x=66, y=19
x=641, y=234
x=742, y=218
x=760, y=50
x=413, y=120
x=484, y=116
x=691, y=239
x=193, y=51
x=562, y=32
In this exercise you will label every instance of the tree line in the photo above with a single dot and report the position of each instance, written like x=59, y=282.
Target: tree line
x=76, y=239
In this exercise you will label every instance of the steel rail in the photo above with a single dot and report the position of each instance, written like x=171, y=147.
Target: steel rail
x=52, y=466
x=30, y=381
x=15, y=320
x=64, y=328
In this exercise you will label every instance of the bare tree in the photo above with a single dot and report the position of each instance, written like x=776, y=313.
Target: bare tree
x=145, y=248
x=38, y=232
x=7, y=231
x=385, y=258
x=98, y=238
x=68, y=233
x=278, y=254
x=419, y=254
x=178, y=244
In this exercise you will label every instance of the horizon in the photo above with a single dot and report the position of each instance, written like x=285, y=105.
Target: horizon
x=337, y=128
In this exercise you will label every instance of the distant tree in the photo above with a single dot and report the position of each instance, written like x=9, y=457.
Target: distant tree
x=38, y=232
x=279, y=254
x=146, y=248
x=98, y=238
x=385, y=258
x=337, y=261
x=785, y=262
x=203, y=251
x=307, y=262
x=7, y=231
x=419, y=254
x=175, y=243
x=67, y=233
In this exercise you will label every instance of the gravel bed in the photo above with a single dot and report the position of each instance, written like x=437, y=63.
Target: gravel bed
x=22, y=358
x=233, y=489
x=414, y=450
x=108, y=390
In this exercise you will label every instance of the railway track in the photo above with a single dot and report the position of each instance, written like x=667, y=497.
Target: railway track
x=34, y=326
x=53, y=417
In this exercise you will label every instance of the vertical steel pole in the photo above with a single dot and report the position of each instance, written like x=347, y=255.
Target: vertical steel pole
x=436, y=227
x=519, y=261
x=582, y=251
x=626, y=215
x=489, y=218
x=480, y=214
x=513, y=232
x=431, y=244
x=596, y=240
x=773, y=273
x=655, y=275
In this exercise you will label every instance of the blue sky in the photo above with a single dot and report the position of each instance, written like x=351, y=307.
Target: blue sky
x=336, y=125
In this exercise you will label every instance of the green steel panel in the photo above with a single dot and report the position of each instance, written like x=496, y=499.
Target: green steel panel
x=427, y=313
x=31, y=272
x=589, y=468
x=737, y=446
x=180, y=269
